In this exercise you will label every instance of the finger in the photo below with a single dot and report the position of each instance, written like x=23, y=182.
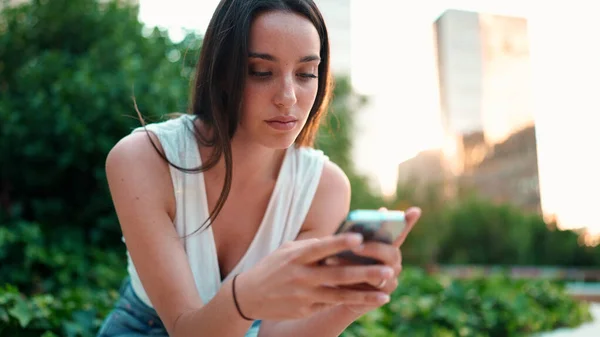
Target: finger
x=360, y=309
x=317, y=307
x=318, y=250
x=297, y=244
x=412, y=216
x=347, y=275
x=331, y=295
x=390, y=286
x=399, y=266
x=386, y=253
x=335, y=261
x=386, y=285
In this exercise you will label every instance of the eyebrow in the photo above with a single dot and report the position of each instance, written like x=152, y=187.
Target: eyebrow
x=269, y=57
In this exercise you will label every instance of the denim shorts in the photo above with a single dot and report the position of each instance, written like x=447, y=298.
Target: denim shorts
x=133, y=318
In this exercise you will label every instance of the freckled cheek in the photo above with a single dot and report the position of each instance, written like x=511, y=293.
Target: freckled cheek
x=255, y=106
x=258, y=93
x=306, y=98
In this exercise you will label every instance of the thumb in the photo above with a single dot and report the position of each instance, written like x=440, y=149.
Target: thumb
x=412, y=216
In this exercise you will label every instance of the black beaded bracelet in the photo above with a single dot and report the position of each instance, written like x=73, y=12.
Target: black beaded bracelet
x=237, y=305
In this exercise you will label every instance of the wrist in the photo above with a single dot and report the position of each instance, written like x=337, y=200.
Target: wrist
x=242, y=298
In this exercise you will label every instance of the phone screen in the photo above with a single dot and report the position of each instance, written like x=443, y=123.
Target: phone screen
x=375, y=225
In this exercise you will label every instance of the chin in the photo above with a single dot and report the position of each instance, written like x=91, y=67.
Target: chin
x=279, y=142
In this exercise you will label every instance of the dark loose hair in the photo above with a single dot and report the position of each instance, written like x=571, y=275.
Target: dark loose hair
x=216, y=97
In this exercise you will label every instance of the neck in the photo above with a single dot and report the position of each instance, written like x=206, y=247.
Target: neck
x=251, y=162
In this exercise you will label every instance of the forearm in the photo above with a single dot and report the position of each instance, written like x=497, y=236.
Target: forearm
x=218, y=317
x=329, y=323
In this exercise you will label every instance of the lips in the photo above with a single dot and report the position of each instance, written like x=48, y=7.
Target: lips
x=282, y=119
x=282, y=123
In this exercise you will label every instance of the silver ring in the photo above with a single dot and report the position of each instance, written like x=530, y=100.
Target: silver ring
x=382, y=284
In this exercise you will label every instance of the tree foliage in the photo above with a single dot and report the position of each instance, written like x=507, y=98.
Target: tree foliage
x=68, y=72
x=335, y=139
x=471, y=230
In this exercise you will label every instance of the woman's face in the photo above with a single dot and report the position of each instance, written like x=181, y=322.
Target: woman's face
x=282, y=82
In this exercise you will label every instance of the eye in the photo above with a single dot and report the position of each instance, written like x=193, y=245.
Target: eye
x=307, y=76
x=260, y=74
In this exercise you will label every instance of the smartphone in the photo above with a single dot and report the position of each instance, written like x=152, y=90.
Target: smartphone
x=374, y=225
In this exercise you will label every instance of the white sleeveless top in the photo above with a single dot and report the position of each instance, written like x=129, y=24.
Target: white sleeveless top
x=287, y=208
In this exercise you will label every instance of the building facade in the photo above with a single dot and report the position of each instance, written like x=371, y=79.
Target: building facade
x=486, y=104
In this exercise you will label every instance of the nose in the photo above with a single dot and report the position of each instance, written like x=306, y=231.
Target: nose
x=286, y=93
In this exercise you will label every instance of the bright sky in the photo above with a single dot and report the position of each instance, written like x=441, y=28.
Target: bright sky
x=392, y=58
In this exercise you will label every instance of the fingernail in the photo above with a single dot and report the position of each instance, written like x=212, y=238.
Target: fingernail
x=387, y=272
x=355, y=238
x=383, y=298
x=359, y=248
x=332, y=261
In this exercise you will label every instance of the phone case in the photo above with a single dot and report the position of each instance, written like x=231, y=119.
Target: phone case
x=381, y=226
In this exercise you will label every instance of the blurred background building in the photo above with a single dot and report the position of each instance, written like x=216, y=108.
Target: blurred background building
x=484, y=74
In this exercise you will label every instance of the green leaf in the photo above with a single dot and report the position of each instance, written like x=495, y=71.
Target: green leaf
x=22, y=312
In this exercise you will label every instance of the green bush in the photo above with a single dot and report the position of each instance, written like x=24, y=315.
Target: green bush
x=498, y=306
x=68, y=71
x=480, y=232
x=421, y=306
x=47, y=264
x=77, y=311
x=57, y=286
x=471, y=230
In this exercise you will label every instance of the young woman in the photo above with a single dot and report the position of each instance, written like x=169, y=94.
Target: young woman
x=227, y=211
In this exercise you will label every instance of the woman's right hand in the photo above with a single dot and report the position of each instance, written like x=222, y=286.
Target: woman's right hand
x=290, y=283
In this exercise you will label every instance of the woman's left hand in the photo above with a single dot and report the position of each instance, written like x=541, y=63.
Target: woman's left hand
x=389, y=255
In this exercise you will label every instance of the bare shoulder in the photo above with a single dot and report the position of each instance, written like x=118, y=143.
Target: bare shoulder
x=330, y=205
x=135, y=144
x=334, y=184
x=134, y=164
x=136, y=149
